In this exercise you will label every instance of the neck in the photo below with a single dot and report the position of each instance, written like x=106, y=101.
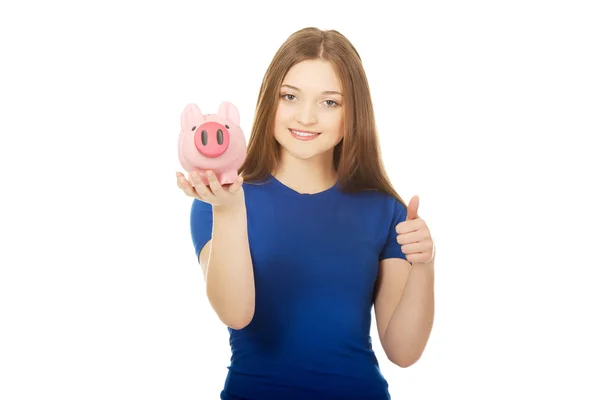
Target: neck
x=306, y=176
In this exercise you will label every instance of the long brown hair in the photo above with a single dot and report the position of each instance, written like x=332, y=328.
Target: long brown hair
x=357, y=158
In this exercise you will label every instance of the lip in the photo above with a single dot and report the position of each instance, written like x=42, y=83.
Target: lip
x=303, y=131
x=304, y=138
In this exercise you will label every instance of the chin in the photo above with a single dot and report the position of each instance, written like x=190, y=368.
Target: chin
x=302, y=154
x=306, y=148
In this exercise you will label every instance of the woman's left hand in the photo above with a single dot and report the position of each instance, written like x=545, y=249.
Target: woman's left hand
x=414, y=236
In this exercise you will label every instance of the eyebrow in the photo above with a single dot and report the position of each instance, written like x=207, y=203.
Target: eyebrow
x=325, y=92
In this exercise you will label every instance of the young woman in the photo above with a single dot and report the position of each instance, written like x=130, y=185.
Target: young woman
x=296, y=255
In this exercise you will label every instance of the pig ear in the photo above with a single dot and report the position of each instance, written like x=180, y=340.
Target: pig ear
x=230, y=112
x=191, y=117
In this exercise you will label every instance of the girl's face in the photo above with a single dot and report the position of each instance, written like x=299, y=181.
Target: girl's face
x=310, y=112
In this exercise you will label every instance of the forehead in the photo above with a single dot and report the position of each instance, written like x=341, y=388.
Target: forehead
x=313, y=76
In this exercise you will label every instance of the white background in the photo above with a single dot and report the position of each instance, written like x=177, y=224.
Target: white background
x=487, y=110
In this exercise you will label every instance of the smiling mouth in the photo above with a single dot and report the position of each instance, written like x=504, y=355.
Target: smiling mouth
x=304, y=135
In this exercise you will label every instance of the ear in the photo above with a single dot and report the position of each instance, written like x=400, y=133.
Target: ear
x=191, y=117
x=228, y=111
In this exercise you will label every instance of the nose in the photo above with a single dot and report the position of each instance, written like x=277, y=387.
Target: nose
x=306, y=115
x=211, y=139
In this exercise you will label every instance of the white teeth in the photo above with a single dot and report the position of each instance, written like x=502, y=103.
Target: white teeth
x=304, y=134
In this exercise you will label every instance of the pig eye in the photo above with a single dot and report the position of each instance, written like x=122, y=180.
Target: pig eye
x=204, y=137
x=220, y=136
x=193, y=128
x=227, y=126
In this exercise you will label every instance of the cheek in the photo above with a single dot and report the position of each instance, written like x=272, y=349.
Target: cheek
x=335, y=122
x=284, y=114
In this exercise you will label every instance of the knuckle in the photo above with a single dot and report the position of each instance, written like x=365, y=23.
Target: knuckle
x=195, y=177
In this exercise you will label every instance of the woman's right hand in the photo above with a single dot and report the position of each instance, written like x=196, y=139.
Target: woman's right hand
x=214, y=193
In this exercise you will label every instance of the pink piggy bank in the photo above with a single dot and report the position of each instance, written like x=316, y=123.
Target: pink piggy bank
x=212, y=142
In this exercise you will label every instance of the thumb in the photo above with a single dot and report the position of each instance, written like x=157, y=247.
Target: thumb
x=413, y=207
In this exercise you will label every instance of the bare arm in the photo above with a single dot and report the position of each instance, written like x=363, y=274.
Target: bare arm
x=227, y=268
x=225, y=259
x=405, y=301
x=404, y=309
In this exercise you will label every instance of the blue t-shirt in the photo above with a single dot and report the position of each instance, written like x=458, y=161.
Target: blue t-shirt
x=315, y=259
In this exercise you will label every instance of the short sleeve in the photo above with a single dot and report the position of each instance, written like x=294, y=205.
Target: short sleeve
x=201, y=221
x=397, y=214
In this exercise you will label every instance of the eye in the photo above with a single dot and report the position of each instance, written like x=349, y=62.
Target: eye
x=193, y=128
x=288, y=97
x=227, y=126
x=331, y=103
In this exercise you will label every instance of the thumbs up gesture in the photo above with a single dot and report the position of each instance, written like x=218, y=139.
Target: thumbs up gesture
x=414, y=236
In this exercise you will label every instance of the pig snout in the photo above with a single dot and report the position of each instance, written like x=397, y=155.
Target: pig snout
x=211, y=139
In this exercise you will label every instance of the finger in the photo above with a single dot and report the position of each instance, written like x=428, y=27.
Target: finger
x=417, y=258
x=185, y=186
x=420, y=258
x=413, y=207
x=416, y=248
x=409, y=226
x=409, y=249
x=203, y=192
x=236, y=186
x=215, y=185
x=201, y=189
x=412, y=237
x=182, y=183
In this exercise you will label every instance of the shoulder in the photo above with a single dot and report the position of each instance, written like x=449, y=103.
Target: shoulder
x=378, y=203
x=200, y=209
